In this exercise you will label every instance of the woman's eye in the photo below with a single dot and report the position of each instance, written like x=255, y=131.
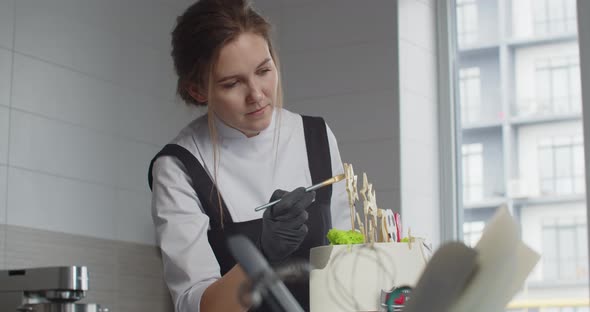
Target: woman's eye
x=263, y=71
x=230, y=85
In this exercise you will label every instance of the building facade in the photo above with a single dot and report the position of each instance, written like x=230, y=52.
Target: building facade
x=522, y=140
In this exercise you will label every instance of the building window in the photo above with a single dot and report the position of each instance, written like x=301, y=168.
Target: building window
x=554, y=16
x=472, y=232
x=557, y=86
x=561, y=166
x=565, y=256
x=467, y=26
x=564, y=309
x=503, y=95
x=472, y=172
x=470, y=95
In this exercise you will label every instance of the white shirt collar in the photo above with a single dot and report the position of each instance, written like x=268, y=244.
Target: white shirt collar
x=227, y=132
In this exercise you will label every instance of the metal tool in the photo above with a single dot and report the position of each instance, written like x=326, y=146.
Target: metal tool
x=330, y=181
x=50, y=289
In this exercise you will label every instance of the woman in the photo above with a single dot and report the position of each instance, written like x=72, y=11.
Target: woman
x=207, y=182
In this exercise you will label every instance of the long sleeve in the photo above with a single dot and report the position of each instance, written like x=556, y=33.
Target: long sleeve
x=340, y=209
x=181, y=226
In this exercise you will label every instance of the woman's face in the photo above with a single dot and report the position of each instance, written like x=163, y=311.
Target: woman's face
x=245, y=82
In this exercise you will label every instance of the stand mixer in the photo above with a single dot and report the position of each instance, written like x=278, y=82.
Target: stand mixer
x=49, y=289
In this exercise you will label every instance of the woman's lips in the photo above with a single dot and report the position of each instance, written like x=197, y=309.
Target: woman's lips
x=258, y=112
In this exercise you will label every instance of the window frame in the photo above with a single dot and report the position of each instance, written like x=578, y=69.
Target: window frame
x=548, y=68
x=470, y=153
x=551, y=146
x=559, y=227
x=467, y=33
x=584, y=46
x=449, y=170
x=451, y=221
x=470, y=84
x=548, y=21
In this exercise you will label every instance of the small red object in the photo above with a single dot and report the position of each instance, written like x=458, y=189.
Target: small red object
x=400, y=300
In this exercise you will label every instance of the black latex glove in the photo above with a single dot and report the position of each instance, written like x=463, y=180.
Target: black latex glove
x=283, y=225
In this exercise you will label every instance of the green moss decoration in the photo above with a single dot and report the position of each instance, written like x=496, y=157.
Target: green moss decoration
x=341, y=237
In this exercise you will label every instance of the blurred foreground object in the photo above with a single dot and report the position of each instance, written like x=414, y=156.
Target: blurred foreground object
x=266, y=284
x=502, y=265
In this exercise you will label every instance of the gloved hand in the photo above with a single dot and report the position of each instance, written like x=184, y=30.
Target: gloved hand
x=283, y=225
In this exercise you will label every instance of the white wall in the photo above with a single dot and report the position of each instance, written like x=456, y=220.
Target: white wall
x=86, y=99
x=418, y=117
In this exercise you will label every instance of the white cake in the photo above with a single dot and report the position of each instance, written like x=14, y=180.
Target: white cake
x=351, y=277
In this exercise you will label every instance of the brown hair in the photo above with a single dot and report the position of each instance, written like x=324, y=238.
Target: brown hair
x=200, y=34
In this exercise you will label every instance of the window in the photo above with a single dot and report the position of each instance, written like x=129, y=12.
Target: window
x=532, y=84
x=565, y=256
x=472, y=232
x=472, y=172
x=561, y=166
x=557, y=85
x=554, y=16
x=469, y=92
x=467, y=22
x=565, y=309
x=553, y=309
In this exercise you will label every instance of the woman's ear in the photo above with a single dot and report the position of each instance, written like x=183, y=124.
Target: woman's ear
x=196, y=92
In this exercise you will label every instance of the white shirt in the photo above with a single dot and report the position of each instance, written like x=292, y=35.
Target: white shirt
x=249, y=171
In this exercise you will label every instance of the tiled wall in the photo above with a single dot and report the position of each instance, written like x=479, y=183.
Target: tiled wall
x=86, y=99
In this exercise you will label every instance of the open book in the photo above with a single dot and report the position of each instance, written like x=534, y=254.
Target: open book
x=484, y=279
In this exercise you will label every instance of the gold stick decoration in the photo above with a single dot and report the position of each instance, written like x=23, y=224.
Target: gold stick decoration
x=364, y=190
x=382, y=226
x=371, y=238
x=361, y=227
x=384, y=234
x=351, y=191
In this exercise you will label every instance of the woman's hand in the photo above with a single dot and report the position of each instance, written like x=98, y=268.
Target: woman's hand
x=283, y=225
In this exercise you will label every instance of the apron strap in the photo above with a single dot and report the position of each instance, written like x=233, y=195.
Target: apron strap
x=202, y=183
x=318, y=154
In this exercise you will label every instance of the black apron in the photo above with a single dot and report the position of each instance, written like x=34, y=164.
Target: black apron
x=319, y=222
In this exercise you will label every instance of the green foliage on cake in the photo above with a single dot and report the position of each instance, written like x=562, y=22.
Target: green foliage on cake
x=341, y=237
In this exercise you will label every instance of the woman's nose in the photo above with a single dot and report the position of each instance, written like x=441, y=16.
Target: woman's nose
x=255, y=93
